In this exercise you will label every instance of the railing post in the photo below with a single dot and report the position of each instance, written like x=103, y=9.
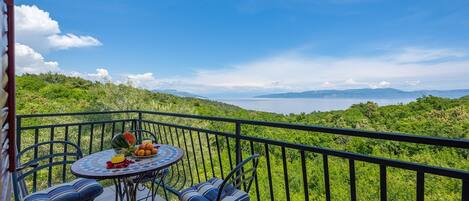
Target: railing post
x=238, y=143
x=140, y=120
x=238, y=148
x=18, y=133
x=465, y=190
x=139, y=125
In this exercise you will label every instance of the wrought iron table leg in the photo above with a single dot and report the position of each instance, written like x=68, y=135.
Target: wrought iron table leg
x=164, y=189
x=160, y=183
x=126, y=188
x=118, y=188
x=151, y=191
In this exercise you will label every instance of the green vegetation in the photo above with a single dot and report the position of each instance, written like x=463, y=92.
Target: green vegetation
x=430, y=116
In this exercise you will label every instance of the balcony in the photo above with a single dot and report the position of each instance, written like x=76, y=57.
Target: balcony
x=288, y=170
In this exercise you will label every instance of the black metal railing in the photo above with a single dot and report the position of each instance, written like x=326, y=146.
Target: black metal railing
x=214, y=145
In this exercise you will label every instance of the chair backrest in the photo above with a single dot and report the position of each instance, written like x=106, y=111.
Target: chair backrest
x=240, y=175
x=141, y=134
x=39, y=156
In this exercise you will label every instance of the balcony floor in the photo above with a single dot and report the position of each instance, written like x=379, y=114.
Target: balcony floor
x=109, y=194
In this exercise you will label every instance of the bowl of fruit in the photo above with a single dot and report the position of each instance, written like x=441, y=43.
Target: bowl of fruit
x=146, y=150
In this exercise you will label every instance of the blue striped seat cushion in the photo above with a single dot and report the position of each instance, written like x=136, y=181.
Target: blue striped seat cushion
x=77, y=190
x=208, y=191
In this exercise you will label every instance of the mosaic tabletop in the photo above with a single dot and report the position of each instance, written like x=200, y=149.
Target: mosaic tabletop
x=94, y=165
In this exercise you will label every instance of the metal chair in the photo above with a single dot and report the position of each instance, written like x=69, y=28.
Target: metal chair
x=79, y=189
x=239, y=176
x=229, y=188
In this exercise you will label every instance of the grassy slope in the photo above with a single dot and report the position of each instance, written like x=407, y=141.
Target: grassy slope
x=427, y=116
x=56, y=93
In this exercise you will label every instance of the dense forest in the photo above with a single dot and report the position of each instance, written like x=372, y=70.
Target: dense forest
x=429, y=116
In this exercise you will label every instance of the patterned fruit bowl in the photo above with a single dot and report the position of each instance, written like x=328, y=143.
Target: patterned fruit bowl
x=146, y=150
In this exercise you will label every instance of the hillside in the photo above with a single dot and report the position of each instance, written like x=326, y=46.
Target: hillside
x=384, y=93
x=432, y=116
x=49, y=93
x=178, y=93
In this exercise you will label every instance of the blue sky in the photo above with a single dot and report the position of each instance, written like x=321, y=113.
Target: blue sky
x=249, y=47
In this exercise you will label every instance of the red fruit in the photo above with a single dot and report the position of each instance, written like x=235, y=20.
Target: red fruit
x=129, y=137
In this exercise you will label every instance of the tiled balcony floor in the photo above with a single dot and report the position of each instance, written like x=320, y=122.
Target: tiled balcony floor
x=109, y=195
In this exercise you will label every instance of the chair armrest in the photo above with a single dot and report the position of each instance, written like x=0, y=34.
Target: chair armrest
x=32, y=165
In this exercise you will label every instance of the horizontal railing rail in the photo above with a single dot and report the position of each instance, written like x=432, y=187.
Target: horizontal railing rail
x=75, y=124
x=392, y=136
x=210, y=153
x=75, y=114
x=460, y=143
x=389, y=162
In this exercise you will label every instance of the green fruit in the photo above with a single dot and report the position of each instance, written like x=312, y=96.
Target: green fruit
x=118, y=142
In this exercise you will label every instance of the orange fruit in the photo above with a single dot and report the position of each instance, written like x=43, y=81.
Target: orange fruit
x=136, y=152
x=141, y=152
x=147, y=152
x=142, y=146
x=154, y=151
x=149, y=146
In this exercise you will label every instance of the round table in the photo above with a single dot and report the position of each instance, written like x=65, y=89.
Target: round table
x=94, y=167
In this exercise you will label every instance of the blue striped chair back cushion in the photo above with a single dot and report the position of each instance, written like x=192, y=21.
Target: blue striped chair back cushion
x=77, y=190
x=208, y=191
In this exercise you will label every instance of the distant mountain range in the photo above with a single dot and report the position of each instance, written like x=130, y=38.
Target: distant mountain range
x=384, y=93
x=178, y=93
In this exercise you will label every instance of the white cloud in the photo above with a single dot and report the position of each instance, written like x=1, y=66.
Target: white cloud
x=327, y=84
x=350, y=81
x=298, y=72
x=30, y=61
x=76, y=74
x=71, y=41
x=145, y=80
x=410, y=55
x=36, y=34
x=33, y=19
x=35, y=28
x=382, y=84
x=413, y=82
x=101, y=74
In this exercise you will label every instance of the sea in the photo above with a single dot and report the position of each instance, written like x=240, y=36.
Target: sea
x=305, y=105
